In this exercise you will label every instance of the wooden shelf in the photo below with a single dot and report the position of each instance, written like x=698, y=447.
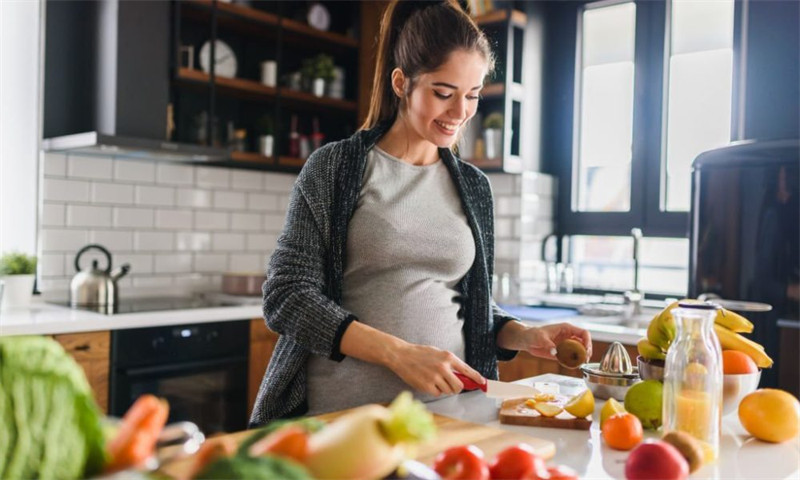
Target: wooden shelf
x=253, y=157
x=303, y=29
x=486, y=163
x=253, y=89
x=499, y=16
x=291, y=161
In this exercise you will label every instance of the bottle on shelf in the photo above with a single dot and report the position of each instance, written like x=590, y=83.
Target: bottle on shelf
x=294, y=139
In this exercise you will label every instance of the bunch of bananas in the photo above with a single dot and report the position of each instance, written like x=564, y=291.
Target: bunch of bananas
x=662, y=330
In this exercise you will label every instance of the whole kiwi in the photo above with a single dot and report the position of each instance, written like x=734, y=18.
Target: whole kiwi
x=688, y=446
x=571, y=353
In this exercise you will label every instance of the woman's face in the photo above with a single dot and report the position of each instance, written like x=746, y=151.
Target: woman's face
x=442, y=101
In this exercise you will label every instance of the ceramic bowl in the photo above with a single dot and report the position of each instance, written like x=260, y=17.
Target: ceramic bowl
x=735, y=387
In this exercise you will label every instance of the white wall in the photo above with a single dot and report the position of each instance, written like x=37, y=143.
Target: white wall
x=20, y=44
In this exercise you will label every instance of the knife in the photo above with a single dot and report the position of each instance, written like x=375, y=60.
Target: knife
x=496, y=389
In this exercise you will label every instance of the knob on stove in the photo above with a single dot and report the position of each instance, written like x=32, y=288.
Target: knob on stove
x=158, y=342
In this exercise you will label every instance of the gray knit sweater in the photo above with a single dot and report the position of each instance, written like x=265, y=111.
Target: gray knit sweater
x=303, y=291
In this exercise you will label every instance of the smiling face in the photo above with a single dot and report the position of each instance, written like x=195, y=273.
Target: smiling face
x=442, y=101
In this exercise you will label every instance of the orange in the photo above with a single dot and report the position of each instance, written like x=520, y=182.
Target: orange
x=771, y=415
x=622, y=431
x=736, y=362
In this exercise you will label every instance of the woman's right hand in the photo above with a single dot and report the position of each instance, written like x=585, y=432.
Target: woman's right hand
x=430, y=370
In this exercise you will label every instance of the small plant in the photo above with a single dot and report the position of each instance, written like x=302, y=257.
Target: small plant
x=320, y=66
x=493, y=121
x=16, y=263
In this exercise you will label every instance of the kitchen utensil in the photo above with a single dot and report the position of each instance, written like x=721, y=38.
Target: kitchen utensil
x=95, y=287
x=616, y=360
x=514, y=411
x=496, y=389
x=243, y=283
x=613, y=375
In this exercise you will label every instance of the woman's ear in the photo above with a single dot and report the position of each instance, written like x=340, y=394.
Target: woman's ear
x=398, y=82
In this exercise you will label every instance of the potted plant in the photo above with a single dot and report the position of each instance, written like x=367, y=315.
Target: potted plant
x=17, y=272
x=493, y=134
x=318, y=70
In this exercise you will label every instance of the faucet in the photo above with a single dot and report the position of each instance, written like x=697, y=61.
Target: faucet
x=634, y=297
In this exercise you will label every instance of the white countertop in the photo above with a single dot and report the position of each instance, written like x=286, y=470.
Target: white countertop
x=741, y=456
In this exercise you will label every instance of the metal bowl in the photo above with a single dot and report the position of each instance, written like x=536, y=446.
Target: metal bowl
x=735, y=387
x=650, y=369
x=607, y=385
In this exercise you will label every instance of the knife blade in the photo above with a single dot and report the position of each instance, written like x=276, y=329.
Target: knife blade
x=497, y=389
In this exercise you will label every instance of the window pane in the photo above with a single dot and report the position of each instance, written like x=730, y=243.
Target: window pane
x=603, y=156
x=606, y=263
x=698, y=113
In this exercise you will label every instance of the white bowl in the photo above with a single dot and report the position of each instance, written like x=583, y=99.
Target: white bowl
x=735, y=387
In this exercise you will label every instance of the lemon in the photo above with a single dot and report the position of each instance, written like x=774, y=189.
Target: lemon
x=611, y=407
x=548, y=409
x=581, y=405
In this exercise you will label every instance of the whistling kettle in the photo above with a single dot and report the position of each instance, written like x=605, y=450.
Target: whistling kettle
x=95, y=287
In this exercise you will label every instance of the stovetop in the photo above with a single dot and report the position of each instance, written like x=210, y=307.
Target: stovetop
x=157, y=304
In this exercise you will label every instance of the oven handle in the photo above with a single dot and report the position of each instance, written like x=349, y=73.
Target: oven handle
x=140, y=371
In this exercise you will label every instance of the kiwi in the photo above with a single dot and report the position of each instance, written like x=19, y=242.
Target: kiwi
x=688, y=446
x=571, y=353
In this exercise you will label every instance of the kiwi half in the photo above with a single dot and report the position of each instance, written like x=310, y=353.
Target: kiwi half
x=571, y=353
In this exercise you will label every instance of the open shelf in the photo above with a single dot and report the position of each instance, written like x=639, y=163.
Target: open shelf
x=252, y=157
x=498, y=16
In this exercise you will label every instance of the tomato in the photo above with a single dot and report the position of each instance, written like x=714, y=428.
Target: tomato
x=518, y=462
x=290, y=441
x=461, y=463
x=562, y=472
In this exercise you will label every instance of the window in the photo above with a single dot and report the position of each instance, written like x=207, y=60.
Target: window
x=652, y=89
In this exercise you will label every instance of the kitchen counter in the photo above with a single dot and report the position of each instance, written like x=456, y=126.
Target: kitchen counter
x=741, y=456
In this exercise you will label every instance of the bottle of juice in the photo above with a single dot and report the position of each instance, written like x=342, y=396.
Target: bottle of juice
x=693, y=377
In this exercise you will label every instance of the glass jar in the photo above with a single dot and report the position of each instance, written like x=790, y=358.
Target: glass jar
x=693, y=377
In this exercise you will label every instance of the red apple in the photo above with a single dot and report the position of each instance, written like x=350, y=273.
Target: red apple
x=656, y=460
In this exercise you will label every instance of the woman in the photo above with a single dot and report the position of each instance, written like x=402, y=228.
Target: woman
x=381, y=278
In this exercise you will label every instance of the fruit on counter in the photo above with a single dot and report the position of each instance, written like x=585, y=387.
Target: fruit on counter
x=369, y=441
x=518, y=461
x=548, y=409
x=136, y=438
x=50, y=426
x=561, y=472
x=688, y=446
x=649, y=351
x=581, y=405
x=733, y=321
x=662, y=328
x=736, y=362
x=656, y=459
x=622, y=431
x=611, y=407
x=464, y=462
x=770, y=414
x=571, y=353
x=644, y=400
x=730, y=340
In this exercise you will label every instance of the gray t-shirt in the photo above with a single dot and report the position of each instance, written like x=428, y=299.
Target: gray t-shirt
x=408, y=245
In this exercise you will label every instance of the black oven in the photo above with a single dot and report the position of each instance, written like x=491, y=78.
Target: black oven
x=201, y=369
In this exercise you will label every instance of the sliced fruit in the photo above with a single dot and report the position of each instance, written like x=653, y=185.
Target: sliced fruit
x=530, y=403
x=581, y=405
x=612, y=407
x=548, y=409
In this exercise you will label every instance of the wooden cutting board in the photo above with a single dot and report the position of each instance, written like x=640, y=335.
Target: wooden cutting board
x=515, y=412
x=450, y=432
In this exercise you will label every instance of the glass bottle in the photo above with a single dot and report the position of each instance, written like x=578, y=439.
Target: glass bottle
x=693, y=377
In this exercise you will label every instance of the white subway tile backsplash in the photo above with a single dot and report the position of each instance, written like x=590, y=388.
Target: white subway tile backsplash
x=212, y=177
x=154, y=241
x=230, y=200
x=79, y=166
x=195, y=281
x=174, y=219
x=273, y=222
x=243, y=262
x=115, y=193
x=55, y=164
x=170, y=174
x=211, y=221
x=65, y=190
x=192, y=241
x=53, y=214
x=502, y=183
x=88, y=216
x=173, y=262
x=503, y=228
x=227, y=242
x=134, y=171
x=51, y=265
x=140, y=262
x=264, y=202
x=259, y=242
x=210, y=262
x=250, y=222
x=196, y=198
x=133, y=217
x=247, y=180
x=62, y=240
x=55, y=284
x=279, y=182
x=507, y=206
x=144, y=282
x=158, y=196
x=113, y=240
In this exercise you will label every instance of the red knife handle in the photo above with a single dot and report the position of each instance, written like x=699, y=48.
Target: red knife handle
x=470, y=384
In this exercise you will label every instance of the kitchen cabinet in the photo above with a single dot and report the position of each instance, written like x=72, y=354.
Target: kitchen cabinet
x=91, y=351
x=262, y=344
x=525, y=365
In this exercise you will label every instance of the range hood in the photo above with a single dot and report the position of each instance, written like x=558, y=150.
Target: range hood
x=107, y=82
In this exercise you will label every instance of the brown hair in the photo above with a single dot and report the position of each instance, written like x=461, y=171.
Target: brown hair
x=417, y=37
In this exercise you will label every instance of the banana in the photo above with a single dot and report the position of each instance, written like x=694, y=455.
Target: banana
x=649, y=351
x=733, y=321
x=730, y=340
x=662, y=329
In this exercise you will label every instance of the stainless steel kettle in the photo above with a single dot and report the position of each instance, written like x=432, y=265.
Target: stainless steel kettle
x=95, y=287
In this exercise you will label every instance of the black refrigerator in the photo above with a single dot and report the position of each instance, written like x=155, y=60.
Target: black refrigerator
x=745, y=242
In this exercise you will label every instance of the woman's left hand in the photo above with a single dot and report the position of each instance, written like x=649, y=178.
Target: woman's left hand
x=542, y=341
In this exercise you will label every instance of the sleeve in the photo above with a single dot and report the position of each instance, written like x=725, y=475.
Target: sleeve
x=295, y=304
x=500, y=318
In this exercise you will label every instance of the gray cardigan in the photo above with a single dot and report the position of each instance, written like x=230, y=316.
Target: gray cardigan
x=303, y=291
